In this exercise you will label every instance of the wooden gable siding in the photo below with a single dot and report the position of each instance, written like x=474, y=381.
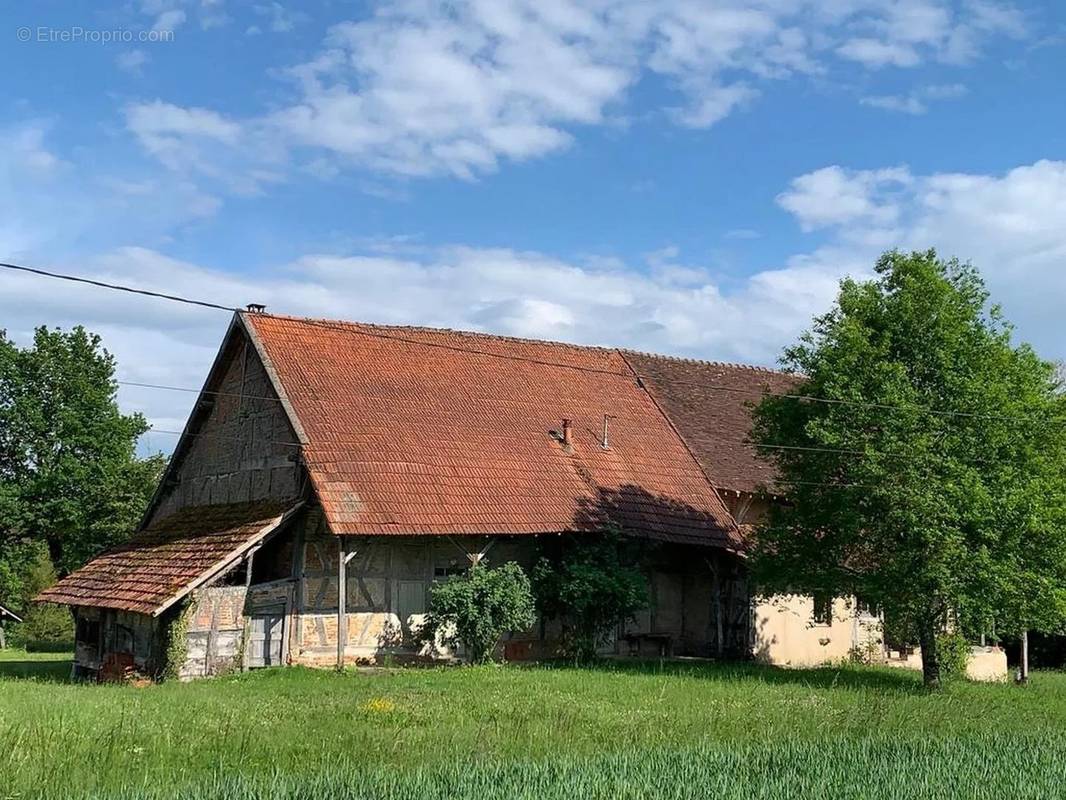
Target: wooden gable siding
x=242, y=444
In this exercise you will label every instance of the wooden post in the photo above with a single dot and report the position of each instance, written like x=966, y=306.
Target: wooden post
x=248, y=568
x=716, y=588
x=345, y=555
x=1024, y=672
x=342, y=616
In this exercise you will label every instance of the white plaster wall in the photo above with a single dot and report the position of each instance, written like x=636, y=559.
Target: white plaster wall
x=785, y=633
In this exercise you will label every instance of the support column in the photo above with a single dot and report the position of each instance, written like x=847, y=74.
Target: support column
x=342, y=598
x=716, y=589
x=344, y=556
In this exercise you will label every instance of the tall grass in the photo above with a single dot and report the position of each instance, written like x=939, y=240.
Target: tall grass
x=621, y=731
x=870, y=769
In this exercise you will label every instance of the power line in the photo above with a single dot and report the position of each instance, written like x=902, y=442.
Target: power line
x=117, y=287
x=351, y=328
x=191, y=390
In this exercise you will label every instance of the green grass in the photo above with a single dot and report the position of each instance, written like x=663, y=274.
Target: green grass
x=500, y=732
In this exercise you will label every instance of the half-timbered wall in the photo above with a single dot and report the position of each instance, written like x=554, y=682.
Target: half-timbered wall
x=389, y=580
x=244, y=446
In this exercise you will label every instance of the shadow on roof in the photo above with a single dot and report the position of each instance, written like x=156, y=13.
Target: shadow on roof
x=642, y=513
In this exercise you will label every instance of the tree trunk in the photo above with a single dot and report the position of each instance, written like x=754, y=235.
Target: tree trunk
x=930, y=654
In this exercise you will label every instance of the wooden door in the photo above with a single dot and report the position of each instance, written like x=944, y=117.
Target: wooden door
x=410, y=600
x=266, y=629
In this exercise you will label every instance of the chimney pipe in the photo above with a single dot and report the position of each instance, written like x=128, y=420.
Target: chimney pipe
x=568, y=433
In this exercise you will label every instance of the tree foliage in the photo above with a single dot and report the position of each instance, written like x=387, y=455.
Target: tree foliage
x=944, y=494
x=26, y=569
x=476, y=609
x=593, y=585
x=70, y=480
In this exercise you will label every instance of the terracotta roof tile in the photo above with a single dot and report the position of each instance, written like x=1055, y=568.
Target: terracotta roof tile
x=710, y=405
x=422, y=431
x=156, y=567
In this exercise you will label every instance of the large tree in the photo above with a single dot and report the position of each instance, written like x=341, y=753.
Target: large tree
x=925, y=472
x=70, y=478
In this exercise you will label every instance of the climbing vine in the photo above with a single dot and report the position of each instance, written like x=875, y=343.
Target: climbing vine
x=178, y=641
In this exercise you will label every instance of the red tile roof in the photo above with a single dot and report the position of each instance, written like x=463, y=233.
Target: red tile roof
x=166, y=560
x=710, y=405
x=422, y=431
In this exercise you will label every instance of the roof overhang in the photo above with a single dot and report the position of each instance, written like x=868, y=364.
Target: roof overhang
x=6, y=613
x=232, y=559
x=80, y=588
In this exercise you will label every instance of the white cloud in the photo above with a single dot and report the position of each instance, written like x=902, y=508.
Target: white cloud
x=1009, y=226
x=24, y=151
x=279, y=18
x=428, y=87
x=909, y=32
x=670, y=308
x=875, y=53
x=833, y=196
x=917, y=101
x=132, y=60
x=70, y=204
x=169, y=20
x=239, y=159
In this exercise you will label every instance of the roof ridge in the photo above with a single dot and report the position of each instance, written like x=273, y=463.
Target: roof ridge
x=356, y=324
x=430, y=329
x=709, y=362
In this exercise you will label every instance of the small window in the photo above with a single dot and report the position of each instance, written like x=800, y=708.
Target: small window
x=864, y=608
x=823, y=609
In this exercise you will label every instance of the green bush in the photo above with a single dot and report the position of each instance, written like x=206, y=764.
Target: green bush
x=954, y=653
x=593, y=585
x=478, y=608
x=44, y=629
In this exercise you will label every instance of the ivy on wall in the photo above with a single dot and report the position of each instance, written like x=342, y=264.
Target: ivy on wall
x=177, y=640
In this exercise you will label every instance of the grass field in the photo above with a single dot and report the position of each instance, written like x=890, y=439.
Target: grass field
x=627, y=731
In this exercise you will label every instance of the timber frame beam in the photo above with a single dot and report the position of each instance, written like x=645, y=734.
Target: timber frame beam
x=344, y=557
x=474, y=556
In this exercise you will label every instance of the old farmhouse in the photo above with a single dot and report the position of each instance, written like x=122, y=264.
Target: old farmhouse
x=330, y=472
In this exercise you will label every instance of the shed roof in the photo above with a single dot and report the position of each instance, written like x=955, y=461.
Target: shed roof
x=424, y=431
x=6, y=613
x=169, y=559
x=710, y=405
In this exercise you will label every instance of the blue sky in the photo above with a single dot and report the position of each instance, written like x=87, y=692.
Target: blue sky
x=684, y=177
